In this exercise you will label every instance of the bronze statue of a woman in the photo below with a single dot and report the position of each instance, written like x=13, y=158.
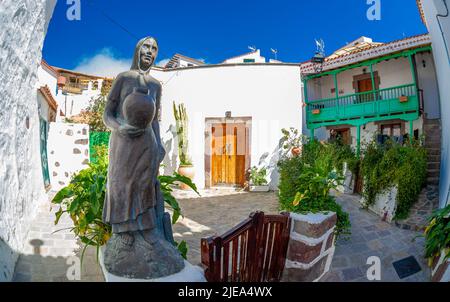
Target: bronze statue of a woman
x=141, y=246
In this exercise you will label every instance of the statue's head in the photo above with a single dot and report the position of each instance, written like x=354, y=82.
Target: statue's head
x=145, y=54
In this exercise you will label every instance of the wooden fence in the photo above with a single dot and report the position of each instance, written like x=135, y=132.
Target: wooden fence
x=253, y=251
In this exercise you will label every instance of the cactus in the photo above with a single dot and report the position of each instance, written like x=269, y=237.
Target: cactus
x=182, y=125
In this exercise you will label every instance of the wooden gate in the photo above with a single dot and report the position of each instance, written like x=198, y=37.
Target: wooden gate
x=253, y=251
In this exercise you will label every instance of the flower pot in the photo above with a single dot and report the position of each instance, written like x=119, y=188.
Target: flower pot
x=264, y=188
x=187, y=171
x=403, y=99
x=316, y=111
x=296, y=151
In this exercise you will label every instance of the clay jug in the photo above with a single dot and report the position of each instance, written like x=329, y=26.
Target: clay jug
x=139, y=108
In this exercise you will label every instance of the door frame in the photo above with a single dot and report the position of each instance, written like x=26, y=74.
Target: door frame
x=209, y=121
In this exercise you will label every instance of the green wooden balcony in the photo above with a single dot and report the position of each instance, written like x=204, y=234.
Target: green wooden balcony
x=400, y=102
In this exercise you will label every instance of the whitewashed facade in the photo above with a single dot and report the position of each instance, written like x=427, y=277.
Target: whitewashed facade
x=23, y=26
x=434, y=12
x=267, y=97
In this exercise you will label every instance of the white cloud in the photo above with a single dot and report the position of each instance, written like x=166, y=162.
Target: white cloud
x=104, y=64
x=163, y=62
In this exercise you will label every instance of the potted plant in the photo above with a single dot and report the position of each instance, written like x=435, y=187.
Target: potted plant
x=258, y=180
x=182, y=123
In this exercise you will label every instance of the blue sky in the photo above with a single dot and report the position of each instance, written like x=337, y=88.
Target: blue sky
x=213, y=30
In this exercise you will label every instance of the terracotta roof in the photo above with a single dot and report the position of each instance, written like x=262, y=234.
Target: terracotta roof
x=367, y=53
x=75, y=73
x=422, y=15
x=45, y=91
x=176, y=57
x=49, y=68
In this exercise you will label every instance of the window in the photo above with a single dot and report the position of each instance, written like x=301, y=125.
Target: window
x=392, y=131
x=249, y=60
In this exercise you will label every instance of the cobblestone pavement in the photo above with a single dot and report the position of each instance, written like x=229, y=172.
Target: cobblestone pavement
x=373, y=237
x=216, y=212
x=47, y=254
x=421, y=210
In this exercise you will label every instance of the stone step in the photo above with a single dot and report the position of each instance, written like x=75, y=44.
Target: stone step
x=433, y=173
x=433, y=165
x=433, y=180
x=434, y=158
x=433, y=151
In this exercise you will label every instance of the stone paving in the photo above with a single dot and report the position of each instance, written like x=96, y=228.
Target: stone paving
x=420, y=212
x=373, y=237
x=48, y=251
x=215, y=213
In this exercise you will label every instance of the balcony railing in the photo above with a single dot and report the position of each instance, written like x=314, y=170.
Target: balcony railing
x=394, y=101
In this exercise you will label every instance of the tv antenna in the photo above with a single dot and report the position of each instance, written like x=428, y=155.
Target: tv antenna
x=275, y=52
x=320, y=44
x=252, y=48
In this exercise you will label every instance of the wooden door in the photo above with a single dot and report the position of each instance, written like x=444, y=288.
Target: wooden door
x=365, y=86
x=229, y=145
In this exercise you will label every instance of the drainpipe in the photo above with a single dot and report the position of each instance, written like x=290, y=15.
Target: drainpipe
x=440, y=27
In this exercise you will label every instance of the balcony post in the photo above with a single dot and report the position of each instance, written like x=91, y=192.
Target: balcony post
x=413, y=70
x=336, y=92
x=312, y=133
x=305, y=90
x=411, y=131
x=358, y=141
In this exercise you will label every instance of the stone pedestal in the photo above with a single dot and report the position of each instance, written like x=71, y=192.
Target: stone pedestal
x=190, y=273
x=311, y=247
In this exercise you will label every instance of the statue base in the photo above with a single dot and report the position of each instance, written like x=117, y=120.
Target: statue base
x=190, y=273
x=157, y=261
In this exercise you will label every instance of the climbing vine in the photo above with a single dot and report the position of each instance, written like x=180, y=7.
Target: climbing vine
x=386, y=165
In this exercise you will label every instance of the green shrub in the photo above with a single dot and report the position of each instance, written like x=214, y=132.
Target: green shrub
x=384, y=166
x=84, y=197
x=306, y=180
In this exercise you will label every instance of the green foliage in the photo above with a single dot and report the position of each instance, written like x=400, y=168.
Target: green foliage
x=291, y=139
x=391, y=164
x=182, y=248
x=84, y=197
x=83, y=200
x=437, y=234
x=306, y=180
x=93, y=115
x=97, y=139
x=258, y=177
x=182, y=126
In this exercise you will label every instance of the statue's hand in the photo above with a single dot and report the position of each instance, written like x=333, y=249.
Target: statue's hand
x=130, y=131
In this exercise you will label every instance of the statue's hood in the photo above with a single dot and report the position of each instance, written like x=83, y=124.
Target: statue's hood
x=136, y=58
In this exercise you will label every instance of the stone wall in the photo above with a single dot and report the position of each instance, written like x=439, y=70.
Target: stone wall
x=23, y=26
x=385, y=204
x=311, y=247
x=68, y=152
